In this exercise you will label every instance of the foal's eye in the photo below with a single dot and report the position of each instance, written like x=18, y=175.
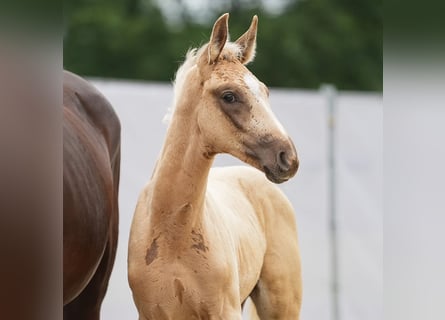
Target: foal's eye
x=229, y=97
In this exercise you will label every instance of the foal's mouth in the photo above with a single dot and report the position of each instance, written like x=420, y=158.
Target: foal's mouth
x=278, y=175
x=274, y=178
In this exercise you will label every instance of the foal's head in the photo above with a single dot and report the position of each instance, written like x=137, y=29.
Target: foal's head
x=231, y=106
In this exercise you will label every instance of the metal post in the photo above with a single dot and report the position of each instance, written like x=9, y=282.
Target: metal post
x=330, y=93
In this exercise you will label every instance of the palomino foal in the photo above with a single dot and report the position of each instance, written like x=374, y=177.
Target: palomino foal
x=202, y=241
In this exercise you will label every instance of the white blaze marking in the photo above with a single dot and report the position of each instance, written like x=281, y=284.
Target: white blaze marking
x=254, y=86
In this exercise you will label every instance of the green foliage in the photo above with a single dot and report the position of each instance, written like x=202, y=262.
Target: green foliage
x=312, y=42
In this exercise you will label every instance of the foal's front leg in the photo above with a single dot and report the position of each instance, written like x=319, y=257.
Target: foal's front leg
x=278, y=293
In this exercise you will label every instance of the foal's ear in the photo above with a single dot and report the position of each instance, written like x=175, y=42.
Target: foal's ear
x=218, y=38
x=247, y=42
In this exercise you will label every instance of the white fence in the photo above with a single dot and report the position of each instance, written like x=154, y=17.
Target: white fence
x=358, y=158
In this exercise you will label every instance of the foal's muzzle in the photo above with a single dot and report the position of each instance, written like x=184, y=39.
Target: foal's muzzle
x=278, y=159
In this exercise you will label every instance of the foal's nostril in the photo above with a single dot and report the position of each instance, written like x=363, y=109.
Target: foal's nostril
x=282, y=160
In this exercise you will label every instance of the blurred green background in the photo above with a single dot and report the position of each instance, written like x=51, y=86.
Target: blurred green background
x=301, y=43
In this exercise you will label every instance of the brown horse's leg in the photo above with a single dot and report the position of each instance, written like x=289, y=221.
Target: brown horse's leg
x=87, y=305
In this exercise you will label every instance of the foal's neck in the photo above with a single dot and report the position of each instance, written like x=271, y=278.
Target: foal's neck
x=180, y=178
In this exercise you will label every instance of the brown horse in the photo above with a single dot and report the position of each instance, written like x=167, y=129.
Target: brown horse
x=91, y=164
x=204, y=240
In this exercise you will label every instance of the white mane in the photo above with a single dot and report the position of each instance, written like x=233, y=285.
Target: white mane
x=230, y=49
